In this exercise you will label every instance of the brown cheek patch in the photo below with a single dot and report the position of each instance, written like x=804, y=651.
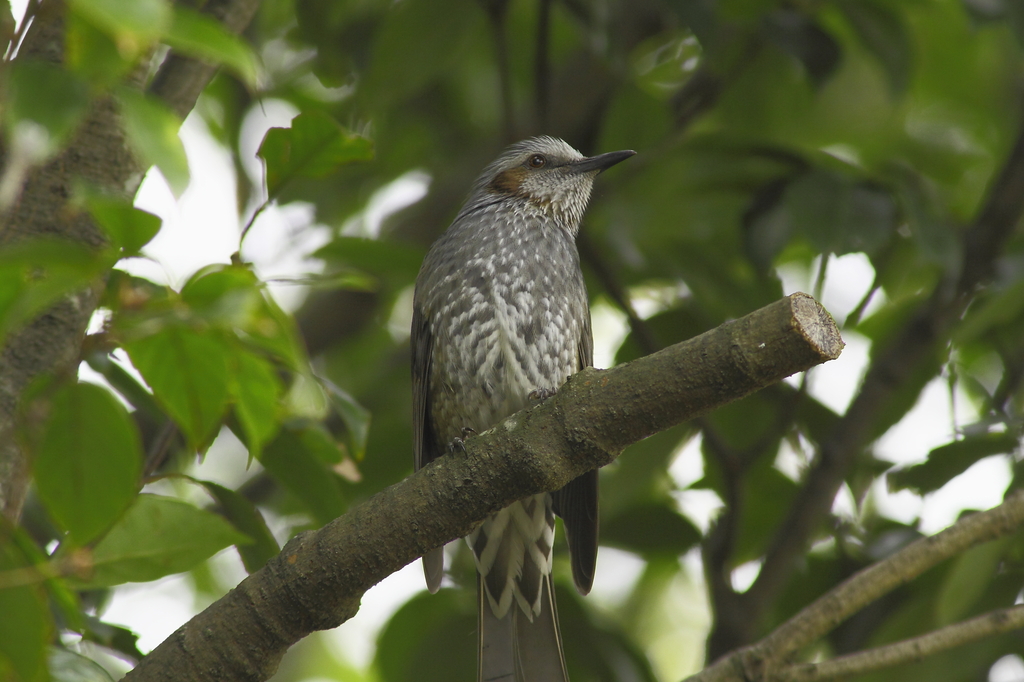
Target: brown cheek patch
x=509, y=181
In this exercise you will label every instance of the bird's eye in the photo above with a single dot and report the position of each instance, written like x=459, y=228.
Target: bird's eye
x=537, y=161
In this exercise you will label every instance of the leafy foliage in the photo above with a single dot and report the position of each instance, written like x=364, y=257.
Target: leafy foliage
x=773, y=138
x=87, y=460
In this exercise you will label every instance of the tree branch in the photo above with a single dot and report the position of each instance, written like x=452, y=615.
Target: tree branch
x=767, y=659
x=909, y=650
x=318, y=579
x=180, y=79
x=50, y=344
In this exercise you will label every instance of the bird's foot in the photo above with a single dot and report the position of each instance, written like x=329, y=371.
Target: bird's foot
x=539, y=395
x=459, y=444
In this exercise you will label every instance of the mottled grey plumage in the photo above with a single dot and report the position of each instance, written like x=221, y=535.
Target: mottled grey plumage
x=500, y=311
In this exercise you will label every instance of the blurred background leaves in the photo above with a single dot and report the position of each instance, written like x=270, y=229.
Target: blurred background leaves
x=779, y=145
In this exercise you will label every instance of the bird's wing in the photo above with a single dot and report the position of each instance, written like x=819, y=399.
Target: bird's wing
x=423, y=440
x=576, y=503
x=421, y=341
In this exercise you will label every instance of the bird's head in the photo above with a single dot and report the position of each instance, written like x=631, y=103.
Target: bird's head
x=544, y=174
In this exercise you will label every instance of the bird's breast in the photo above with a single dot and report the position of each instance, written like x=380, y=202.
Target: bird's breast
x=509, y=324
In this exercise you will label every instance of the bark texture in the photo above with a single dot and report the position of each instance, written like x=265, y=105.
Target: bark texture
x=50, y=344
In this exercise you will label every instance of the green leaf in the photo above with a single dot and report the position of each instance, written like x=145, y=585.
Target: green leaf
x=837, y=216
x=767, y=224
x=93, y=54
x=35, y=274
x=128, y=227
x=638, y=477
x=125, y=383
x=314, y=147
x=133, y=24
x=949, y=461
x=967, y=580
x=600, y=649
x=429, y=639
x=869, y=221
x=246, y=517
x=46, y=95
x=231, y=297
x=256, y=390
x=817, y=421
x=64, y=602
x=153, y=131
x=395, y=262
x=199, y=36
x=274, y=331
x=416, y=43
x=88, y=458
x=639, y=119
x=290, y=459
x=743, y=10
x=995, y=308
x=133, y=299
x=702, y=18
x=68, y=666
x=188, y=372
x=319, y=442
x=800, y=36
x=355, y=416
x=650, y=529
x=932, y=229
x=767, y=494
x=884, y=33
x=227, y=296
x=113, y=637
x=158, y=536
x=26, y=627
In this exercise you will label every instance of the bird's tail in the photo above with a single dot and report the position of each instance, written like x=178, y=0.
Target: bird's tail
x=514, y=649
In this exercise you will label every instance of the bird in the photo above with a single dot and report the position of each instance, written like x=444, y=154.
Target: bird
x=500, y=320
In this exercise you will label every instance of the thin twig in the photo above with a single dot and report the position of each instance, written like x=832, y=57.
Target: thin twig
x=853, y=319
x=248, y=225
x=29, y=575
x=909, y=650
x=864, y=587
x=161, y=445
x=869, y=584
x=76, y=562
x=819, y=280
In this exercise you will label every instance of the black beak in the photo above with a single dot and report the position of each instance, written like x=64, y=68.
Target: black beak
x=601, y=162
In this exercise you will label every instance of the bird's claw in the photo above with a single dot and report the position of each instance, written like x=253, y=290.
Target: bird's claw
x=539, y=395
x=458, y=443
